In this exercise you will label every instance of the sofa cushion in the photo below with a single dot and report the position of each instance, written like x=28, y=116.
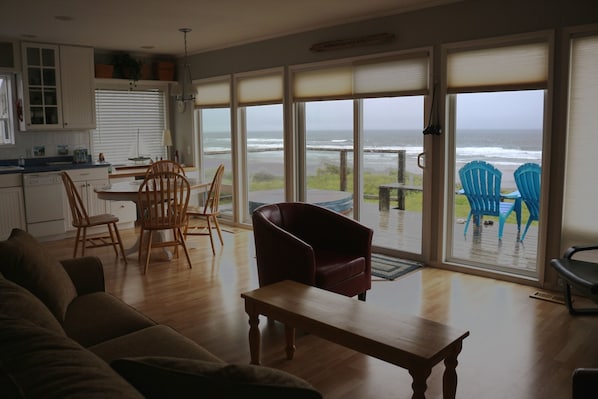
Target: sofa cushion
x=36, y=363
x=16, y=302
x=98, y=317
x=158, y=340
x=185, y=378
x=26, y=262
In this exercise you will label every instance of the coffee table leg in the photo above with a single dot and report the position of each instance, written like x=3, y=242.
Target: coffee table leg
x=449, y=379
x=290, y=336
x=254, y=332
x=419, y=385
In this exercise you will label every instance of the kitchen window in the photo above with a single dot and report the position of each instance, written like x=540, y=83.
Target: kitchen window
x=130, y=125
x=6, y=112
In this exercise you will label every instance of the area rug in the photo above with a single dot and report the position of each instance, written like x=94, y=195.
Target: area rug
x=390, y=268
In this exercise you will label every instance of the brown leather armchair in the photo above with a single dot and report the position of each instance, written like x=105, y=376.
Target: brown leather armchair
x=312, y=245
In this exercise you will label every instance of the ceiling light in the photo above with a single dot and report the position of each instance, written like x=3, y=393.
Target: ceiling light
x=186, y=94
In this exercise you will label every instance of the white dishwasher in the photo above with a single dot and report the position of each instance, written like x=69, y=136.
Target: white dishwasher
x=44, y=203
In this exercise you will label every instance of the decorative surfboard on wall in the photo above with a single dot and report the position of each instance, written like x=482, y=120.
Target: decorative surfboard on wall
x=340, y=44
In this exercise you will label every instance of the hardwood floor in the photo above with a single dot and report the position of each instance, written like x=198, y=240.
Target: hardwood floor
x=519, y=347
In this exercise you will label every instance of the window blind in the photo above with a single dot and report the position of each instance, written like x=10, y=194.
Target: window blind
x=404, y=75
x=129, y=123
x=525, y=66
x=212, y=93
x=260, y=90
x=581, y=181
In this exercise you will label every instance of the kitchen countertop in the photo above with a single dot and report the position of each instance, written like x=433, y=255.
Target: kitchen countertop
x=47, y=164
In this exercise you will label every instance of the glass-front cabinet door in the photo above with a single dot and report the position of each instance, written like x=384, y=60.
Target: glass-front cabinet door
x=41, y=87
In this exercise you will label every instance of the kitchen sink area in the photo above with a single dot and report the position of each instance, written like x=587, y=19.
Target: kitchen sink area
x=10, y=168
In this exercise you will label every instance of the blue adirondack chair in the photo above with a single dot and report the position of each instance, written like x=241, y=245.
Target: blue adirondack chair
x=527, y=178
x=481, y=185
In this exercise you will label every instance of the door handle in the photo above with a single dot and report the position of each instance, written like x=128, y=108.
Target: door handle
x=421, y=160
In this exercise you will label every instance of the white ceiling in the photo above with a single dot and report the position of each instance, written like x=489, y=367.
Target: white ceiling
x=151, y=26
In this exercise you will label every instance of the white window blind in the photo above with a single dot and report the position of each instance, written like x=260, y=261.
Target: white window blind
x=524, y=66
x=260, y=90
x=404, y=75
x=212, y=93
x=580, y=220
x=6, y=123
x=129, y=124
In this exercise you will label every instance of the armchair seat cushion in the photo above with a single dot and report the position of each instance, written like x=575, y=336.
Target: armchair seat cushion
x=332, y=267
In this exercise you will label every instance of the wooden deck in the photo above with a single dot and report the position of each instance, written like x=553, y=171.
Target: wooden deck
x=401, y=230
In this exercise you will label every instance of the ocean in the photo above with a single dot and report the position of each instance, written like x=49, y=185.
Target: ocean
x=505, y=149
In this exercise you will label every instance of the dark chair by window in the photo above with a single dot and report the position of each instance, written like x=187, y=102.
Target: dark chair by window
x=580, y=274
x=312, y=245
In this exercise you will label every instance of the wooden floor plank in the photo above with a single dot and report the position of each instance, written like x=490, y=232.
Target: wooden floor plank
x=519, y=347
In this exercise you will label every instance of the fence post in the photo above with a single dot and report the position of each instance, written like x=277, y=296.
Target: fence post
x=343, y=170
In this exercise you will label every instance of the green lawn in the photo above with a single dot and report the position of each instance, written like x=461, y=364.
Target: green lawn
x=327, y=178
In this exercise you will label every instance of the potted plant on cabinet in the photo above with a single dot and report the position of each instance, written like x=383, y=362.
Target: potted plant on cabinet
x=126, y=67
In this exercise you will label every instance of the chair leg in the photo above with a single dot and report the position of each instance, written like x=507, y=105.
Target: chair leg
x=77, y=237
x=218, y=230
x=120, y=244
x=181, y=239
x=84, y=241
x=362, y=296
x=149, y=251
x=210, y=234
x=112, y=239
x=569, y=303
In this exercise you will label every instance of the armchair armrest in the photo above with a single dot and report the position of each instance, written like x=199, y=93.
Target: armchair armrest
x=578, y=248
x=87, y=274
x=281, y=255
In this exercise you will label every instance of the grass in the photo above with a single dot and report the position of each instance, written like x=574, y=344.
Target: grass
x=328, y=178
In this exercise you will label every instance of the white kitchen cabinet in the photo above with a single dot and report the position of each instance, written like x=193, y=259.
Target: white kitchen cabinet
x=78, y=91
x=12, y=211
x=86, y=180
x=57, y=87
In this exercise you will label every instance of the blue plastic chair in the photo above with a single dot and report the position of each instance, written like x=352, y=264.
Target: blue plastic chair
x=527, y=178
x=481, y=185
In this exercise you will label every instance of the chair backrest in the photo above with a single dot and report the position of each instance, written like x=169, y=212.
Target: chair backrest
x=527, y=179
x=481, y=184
x=163, y=198
x=78, y=211
x=164, y=166
x=213, y=200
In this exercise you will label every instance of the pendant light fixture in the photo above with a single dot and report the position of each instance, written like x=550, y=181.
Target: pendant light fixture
x=186, y=94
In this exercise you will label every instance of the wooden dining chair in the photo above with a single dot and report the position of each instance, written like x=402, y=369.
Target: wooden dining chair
x=165, y=166
x=163, y=198
x=82, y=221
x=210, y=212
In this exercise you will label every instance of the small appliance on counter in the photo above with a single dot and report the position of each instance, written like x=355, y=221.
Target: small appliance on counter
x=80, y=155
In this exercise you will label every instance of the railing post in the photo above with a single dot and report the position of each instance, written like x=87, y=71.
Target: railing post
x=401, y=178
x=343, y=170
x=401, y=166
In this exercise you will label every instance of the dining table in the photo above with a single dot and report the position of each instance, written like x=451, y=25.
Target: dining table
x=129, y=190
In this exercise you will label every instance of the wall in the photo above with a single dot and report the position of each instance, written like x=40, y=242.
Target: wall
x=26, y=140
x=466, y=20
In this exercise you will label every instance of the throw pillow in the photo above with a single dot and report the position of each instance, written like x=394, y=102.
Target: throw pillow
x=26, y=262
x=160, y=377
x=18, y=303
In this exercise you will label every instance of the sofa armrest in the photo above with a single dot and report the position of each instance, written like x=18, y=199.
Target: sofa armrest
x=87, y=274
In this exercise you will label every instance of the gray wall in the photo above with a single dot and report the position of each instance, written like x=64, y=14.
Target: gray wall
x=466, y=20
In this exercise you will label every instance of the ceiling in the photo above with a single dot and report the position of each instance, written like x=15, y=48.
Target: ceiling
x=152, y=26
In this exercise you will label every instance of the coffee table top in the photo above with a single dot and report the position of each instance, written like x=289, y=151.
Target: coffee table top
x=402, y=339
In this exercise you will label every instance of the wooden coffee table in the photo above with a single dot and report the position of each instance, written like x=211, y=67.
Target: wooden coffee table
x=407, y=341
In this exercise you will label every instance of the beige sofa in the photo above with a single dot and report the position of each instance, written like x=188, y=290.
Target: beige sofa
x=63, y=336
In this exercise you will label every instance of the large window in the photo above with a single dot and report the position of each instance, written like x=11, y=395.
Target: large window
x=497, y=96
x=130, y=125
x=6, y=123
